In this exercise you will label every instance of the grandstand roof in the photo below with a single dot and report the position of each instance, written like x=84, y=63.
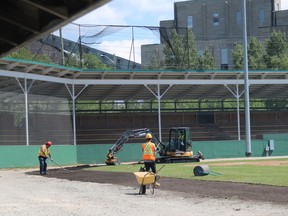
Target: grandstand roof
x=55, y=80
x=22, y=22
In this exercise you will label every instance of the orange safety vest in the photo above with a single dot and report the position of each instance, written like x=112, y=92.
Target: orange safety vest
x=148, y=150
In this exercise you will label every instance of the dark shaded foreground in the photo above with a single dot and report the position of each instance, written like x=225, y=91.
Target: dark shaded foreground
x=187, y=187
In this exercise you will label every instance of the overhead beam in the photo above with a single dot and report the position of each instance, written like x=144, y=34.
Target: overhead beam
x=188, y=91
x=135, y=93
x=60, y=12
x=84, y=92
x=277, y=93
x=213, y=90
x=115, y=88
x=25, y=21
x=139, y=81
x=259, y=91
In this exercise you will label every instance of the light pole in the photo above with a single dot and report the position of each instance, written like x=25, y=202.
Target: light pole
x=246, y=84
x=113, y=61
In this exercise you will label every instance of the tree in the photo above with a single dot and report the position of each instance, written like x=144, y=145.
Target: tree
x=206, y=62
x=156, y=62
x=174, y=52
x=276, y=51
x=90, y=61
x=22, y=53
x=193, y=59
x=72, y=61
x=256, y=53
x=26, y=54
x=181, y=53
x=284, y=63
x=238, y=56
x=276, y=104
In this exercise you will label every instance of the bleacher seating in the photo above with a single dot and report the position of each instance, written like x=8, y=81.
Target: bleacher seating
x=106, y=130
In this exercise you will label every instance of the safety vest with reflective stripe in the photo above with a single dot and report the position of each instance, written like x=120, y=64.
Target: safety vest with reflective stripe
x=148, y=150
x=44, y=154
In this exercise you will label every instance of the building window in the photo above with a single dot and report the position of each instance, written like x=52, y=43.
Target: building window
x=238, y=17
x=224, y=59
x=190, y=22
x=261, y=17
x=216, y=19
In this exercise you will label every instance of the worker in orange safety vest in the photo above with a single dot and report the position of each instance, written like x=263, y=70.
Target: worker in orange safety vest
x=149, y=154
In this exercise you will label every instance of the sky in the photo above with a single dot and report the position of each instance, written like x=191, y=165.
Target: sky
x=284, y=4
x=134, y=13
x=128, y=13
x=131, y=12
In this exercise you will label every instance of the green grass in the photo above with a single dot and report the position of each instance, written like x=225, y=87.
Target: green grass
x=276, y=175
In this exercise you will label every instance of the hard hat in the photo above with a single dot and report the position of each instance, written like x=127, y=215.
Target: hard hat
x=49, y=143
x=148, y=136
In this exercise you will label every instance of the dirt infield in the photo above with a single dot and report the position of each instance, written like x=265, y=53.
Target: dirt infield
x=85, y=193
x=189, y=188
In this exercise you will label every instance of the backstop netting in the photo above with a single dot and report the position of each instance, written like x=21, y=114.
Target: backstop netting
x=141, y=47
x=48, y=117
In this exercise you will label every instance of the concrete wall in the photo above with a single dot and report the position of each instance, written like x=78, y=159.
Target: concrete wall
x=148, y=52
x=203, y=12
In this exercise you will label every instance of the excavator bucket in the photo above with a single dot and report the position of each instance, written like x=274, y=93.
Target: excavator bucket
x=111, y=160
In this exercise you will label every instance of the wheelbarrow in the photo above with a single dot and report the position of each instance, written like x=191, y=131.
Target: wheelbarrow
x=147, y=179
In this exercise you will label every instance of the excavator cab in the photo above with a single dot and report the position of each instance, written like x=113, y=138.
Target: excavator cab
x=179, y=139
x=179, y=147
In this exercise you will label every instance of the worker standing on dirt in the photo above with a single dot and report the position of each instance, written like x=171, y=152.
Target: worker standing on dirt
x=43, y=154
x=149, y=155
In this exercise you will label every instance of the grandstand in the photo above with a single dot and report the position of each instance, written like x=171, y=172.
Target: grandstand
x=51, y=103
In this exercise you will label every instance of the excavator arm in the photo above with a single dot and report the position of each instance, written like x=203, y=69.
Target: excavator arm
x=112, y=160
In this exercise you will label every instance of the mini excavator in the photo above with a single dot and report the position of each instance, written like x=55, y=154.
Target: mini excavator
x=178, y=148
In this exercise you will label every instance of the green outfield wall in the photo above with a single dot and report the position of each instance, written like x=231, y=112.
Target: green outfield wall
x=26, y=156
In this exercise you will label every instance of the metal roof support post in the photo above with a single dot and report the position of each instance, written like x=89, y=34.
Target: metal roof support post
x=26, y=112
x=237, y=96
x=159, y=96
x=73, y=97
x=246, y=83
x=159, y=111
x=74, y=114
x=238, y=112
x=26, y=91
